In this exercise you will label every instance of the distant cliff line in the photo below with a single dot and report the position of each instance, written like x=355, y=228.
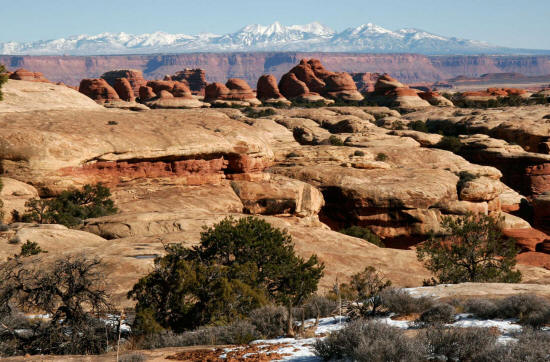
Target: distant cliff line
x=409, y=68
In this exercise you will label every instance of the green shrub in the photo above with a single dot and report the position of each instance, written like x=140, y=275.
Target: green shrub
x=401, y=302
x=474, y=250
x=418, y=126
x=259, y=113
x=450, y=143
x=71, y=207
x=238, y=266
x=30, y=248
x=363, y=233
x=381, y=157
x=368, y=341
x=335, y=141
x=359, y=153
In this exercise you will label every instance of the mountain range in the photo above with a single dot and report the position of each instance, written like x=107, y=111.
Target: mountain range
x=314, y=37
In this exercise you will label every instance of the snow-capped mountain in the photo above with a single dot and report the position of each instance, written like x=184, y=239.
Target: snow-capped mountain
x=275, y=37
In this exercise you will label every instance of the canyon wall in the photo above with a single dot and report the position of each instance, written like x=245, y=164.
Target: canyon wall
x=409, y=68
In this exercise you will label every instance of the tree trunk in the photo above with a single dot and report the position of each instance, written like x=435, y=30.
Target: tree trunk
x=290, y=327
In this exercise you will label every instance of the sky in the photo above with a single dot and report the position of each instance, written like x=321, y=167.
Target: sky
x=512, y=23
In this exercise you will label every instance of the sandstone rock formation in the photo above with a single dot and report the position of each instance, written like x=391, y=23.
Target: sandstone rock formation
x=14, y=195
x=124, y=90
x=235, y=91
x=133, y=76
x=24, y=96
x=194, y=78
x=435, y=99
x=268, y=90
x=98, y=90
x=541, y=206
x=389, y=91
x=365, y=82
x=23, y=74
x=309, y=79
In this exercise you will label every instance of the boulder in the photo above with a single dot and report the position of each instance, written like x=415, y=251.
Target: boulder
x=174, y=88
x=527, y=239
x=389, y=91
x=215, y=91
x=341, y=85
x=239, y=90
x=98, y=90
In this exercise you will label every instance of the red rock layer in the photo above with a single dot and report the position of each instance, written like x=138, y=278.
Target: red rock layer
x=539, y=178
x=124, y=89
x=365, y=81
x=174, y=88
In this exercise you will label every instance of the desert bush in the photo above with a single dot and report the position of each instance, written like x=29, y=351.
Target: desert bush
x=368, y=341
x=418, y=126
x=363, y=233
x=238, y=266
x=316, y=306
x=3, y=227
x=381, y=157
x=438, y=314
x=71, y=206
x=473, y=250
x=259, y=113
x=401, y=302
x=458, y=344
x=70, y=290
x=15, y=240
x=450, y=143
x=366, y=287
x=237, y=332
x=359, y=153
x=335, y=141
x=270, y=321
x=30, y=248
x=530, y=310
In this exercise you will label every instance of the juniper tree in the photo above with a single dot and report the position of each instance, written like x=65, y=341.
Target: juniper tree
x=473, y=250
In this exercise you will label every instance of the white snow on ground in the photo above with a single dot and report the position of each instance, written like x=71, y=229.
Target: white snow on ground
x=301, y=349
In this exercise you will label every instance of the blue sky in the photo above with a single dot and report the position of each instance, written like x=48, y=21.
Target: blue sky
x=513, y=23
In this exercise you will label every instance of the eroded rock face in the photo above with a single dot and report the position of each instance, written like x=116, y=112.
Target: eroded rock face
x=146, y=93
x=365, y=81
x=98, y=90
x=14, y=195
x=170, y=89
x=435, y=99
x=89, y=150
